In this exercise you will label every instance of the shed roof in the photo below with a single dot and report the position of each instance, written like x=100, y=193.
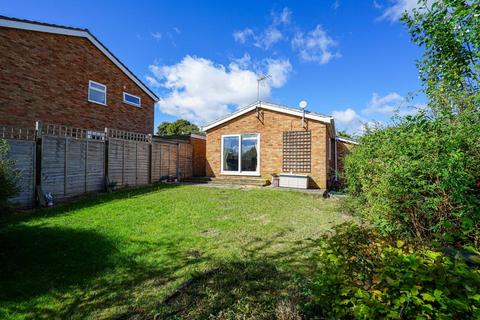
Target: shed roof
x=9, y=22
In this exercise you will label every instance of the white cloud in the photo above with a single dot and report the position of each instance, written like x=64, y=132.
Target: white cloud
x=152, y=82
x=395, y=10
x=243, y=35
x=348, y=120
x=283, y=17
x=316, y=46
x=386, y=105
x=201, y=91
x=272, y=34
x=378, y=110
x=279, y=71
x=336, y=4
x=156, y=35
x=268, y=38
x=390, y=104
x=177, y=30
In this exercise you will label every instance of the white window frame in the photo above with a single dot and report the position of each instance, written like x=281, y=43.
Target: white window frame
x=131, y=103
x=98, y=90
x=239, y=172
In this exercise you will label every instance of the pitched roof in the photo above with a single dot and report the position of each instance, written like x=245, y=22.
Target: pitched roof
x=273, y=107
x=15, y=23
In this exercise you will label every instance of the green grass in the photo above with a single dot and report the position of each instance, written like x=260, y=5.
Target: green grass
x=164, y=251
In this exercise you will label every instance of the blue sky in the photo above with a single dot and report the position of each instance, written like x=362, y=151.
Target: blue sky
x=347, y=58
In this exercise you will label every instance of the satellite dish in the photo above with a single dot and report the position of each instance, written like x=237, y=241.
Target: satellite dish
x=302, y=104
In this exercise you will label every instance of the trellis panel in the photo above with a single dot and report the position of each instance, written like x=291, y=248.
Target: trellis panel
x=297, y=151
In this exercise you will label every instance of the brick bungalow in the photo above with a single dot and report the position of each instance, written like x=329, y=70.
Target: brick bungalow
x=265, y=138
x=65, y=75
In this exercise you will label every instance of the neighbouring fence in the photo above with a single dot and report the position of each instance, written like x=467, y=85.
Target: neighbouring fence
x=128, y=158
x=72, y=161
x=68, y=162
x=21, y=142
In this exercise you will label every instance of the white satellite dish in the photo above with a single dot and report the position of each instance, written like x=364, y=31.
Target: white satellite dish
x=303, y=104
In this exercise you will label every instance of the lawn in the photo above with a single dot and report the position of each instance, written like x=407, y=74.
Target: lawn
x=162, y=251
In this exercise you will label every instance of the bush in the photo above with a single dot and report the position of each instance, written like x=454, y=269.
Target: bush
x=8, y=186
x=420, y=177
x=365, y=276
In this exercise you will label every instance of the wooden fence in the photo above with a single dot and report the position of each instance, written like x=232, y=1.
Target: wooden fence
x=128, y=158
x=70, y=161
x=21, y=142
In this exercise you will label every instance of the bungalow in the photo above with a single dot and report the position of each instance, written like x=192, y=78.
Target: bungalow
x=64, y=75
x=265, y=139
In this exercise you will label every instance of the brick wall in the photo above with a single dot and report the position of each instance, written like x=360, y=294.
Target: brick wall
x=198, y=155
x=45, y=77
x=271, y=130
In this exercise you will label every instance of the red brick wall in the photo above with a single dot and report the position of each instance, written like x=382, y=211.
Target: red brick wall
x=198, y=156
x=271, y=143
x=45, y=77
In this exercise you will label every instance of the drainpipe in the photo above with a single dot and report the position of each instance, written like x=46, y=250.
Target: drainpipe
x=336, y=160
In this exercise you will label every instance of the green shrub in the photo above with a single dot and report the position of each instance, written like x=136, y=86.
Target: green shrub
x=420, y=177
x=365, y=276
x=8, y=186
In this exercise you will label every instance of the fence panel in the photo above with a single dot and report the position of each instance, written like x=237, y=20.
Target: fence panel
x=72, y=161
x=128, y=158
x=185, y=160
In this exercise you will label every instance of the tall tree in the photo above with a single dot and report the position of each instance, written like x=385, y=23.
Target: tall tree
x=180, y=126
x=449, y=31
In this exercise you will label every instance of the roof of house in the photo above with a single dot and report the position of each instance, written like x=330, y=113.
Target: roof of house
x=346, y=140
x=15, y=23
x=273, y=107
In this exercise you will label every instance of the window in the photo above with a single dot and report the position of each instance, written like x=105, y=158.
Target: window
x=241, y=154
x=131, y=99
x=97, y=93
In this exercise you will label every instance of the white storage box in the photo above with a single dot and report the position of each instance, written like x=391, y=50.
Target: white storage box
x=292, y=180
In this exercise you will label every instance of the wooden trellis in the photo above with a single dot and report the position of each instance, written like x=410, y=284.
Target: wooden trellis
x=297, y=151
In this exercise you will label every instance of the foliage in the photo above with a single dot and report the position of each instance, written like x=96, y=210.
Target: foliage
x=344, y=134
x=177, y=127
x=8, y=177
x=420, y=177
x=449, y=31
x=365, y=276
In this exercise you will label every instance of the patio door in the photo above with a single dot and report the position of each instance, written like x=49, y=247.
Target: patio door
x=241, y=154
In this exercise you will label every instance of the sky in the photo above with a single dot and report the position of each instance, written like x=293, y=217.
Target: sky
x=350, y=59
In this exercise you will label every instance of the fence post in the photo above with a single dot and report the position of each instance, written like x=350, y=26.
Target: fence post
x=178, y=161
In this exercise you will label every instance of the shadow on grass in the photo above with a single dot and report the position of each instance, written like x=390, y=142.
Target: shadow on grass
x=81, y=272
x=83, y=202
x=40, y=259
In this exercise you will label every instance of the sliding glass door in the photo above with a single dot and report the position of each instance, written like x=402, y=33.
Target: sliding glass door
x=240, y=154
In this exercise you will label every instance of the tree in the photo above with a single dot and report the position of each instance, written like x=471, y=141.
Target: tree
x=344, y=134
x=449, y=31
x=177, y=127
x=8, y=177
x=421, y=175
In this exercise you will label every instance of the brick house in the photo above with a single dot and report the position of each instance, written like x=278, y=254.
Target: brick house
x=265, y=138
x=65, y=75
